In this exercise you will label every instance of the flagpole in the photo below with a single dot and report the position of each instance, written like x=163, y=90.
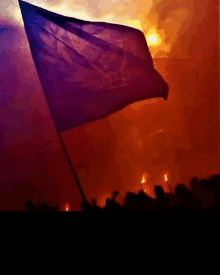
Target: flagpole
x=71, y=167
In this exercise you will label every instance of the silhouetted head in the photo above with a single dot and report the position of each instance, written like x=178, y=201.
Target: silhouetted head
x=108, y=201
x=204, y=183
x=181, y=190
x=130, y=199
x=94, y=201
x=131, y=196
x=85, y=205
x=28, y=202
x=195, y=185
x=143, y=196
x=215, y=180
x=115, y=193
x=194, y=181
x=159, y=192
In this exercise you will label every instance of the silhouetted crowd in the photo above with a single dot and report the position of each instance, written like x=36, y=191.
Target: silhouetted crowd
x=201, y=195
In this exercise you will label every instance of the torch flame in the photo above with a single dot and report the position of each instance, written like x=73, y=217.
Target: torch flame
x=153, y=38
x=144, y=179
x=165, y=177
x=67, y=207
x=145, y=188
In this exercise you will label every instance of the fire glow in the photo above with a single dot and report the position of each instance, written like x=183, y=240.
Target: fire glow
x=153, y=39
x=145, y=188
x=166, y=177
x=67, y=208
x=144, y=179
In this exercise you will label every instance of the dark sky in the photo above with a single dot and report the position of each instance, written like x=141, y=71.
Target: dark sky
x=179, y=136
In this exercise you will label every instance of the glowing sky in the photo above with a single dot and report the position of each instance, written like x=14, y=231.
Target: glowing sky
x=153, y=137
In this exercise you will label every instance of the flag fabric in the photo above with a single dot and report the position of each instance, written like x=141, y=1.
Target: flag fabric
x=89, y=70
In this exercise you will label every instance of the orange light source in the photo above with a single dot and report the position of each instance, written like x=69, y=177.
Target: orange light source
x=144, y=179
x=165, y=177
x=144, y=185
x=153, y=38
x=67, y=207
x=17, y=16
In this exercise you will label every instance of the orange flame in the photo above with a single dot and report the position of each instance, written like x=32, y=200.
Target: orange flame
x=145, y=188
x=144, y=179
x=165, y=177
x=153, y=38
x=67, y=207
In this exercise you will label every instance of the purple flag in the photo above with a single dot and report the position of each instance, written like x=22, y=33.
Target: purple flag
x=89, y=70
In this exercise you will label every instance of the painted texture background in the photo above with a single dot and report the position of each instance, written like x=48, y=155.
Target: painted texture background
x=179, y=136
